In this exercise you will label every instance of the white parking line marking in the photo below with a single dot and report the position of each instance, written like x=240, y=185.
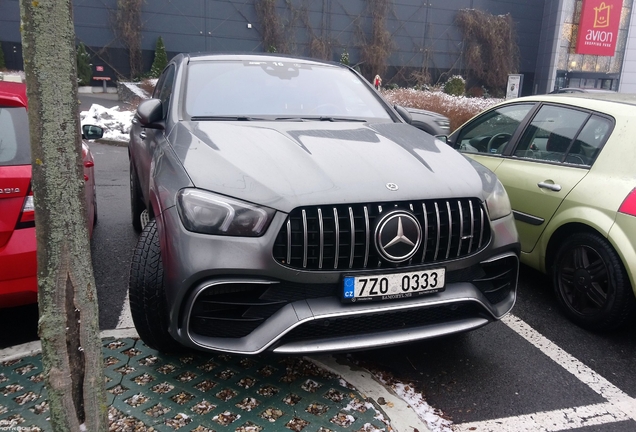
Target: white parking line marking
x=125, y=317
x=593, y=380
x=560, y=420
x=619, y=406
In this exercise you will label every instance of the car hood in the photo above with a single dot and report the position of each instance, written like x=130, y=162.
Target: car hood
x=286, y=164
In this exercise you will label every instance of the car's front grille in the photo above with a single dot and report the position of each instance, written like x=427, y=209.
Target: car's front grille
x=386, y=321
x=341, y=236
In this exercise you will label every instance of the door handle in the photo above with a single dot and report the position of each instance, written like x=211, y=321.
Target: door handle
x=142, y=135
x=550, y=186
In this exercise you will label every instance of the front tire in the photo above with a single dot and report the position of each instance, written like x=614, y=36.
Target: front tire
x=148, y=304
x=591, y=283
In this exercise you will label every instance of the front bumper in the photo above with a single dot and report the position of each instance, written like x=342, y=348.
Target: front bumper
x=257, y=304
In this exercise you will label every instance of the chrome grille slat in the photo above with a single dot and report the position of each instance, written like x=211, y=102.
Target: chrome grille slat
x=337, y=232
x=438, y=231
x=289, y=241
x=481, y=231
x=367, y=236
x=450, y=229
x=313, y=236
x=305, y=239
x=461, y=227
x=425, y=229
x=472, y=227
x=353, y=238
x=321, y=228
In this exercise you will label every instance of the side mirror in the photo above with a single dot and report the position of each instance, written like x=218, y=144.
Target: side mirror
x=406, y=116
x=443, y=138
x=92, y=132
x=150, y=114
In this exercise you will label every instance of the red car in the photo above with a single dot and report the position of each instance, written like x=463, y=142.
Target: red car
x=18, y=267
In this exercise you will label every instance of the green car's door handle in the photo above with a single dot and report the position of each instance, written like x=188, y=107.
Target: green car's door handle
x=549, y=186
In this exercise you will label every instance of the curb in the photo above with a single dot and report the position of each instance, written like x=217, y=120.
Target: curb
x=33, y=348
x=401, y=415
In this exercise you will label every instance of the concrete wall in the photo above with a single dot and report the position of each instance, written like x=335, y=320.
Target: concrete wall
x=423, y=31
x=628, y=74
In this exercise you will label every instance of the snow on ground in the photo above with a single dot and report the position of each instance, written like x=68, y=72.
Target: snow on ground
x=431, y=416
x=116, y=123
x=428, y=414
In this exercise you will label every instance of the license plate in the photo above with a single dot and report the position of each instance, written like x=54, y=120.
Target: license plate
x=393, y=286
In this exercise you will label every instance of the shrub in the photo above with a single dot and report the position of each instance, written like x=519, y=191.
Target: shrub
x=457, y=109
x=161, y=59
x=344, y=58
x=455, y=86
x=84, y=71
x=475, y=91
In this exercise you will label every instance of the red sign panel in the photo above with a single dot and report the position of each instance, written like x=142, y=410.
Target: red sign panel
x=99, y=68
x=598, y=28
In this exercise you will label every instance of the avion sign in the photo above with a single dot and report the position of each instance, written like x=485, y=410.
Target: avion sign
x=598, y=27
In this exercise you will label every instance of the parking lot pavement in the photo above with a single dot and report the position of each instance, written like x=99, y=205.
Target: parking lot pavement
x=147, y=389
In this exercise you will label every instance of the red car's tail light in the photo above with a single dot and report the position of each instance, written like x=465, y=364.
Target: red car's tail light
x=27, y=217
x=629, y=205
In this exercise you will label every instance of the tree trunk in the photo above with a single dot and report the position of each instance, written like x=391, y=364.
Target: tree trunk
x=68, y=326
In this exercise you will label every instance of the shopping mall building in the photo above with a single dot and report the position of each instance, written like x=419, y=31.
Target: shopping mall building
x=562, y=43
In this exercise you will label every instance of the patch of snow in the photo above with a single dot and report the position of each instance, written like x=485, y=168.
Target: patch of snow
x=116, y=123
x=134, y=87
x=428, y=414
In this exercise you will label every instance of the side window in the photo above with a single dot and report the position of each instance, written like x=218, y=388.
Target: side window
x=551, y=133
x=589, y=141
x=163, y=91
x=491, y=132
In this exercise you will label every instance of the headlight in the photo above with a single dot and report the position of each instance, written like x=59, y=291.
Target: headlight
x=209, y=213
x=498, y=203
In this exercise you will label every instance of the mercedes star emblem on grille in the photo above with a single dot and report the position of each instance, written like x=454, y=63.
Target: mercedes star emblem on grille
x=392, y=186
x=398, y=236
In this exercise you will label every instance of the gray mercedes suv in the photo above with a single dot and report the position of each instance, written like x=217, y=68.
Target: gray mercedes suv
x=285, y=206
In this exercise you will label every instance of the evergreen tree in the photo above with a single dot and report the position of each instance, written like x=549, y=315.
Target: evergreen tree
x=161, y=59
x=3, y=65
x=84, y=72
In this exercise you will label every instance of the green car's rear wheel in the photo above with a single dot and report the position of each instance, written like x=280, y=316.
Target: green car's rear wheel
x=591, y=283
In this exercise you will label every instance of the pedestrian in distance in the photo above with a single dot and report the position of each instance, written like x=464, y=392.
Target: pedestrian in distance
x=377, y=82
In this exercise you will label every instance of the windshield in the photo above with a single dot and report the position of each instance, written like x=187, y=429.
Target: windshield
x=14, y=137
x=279, y=90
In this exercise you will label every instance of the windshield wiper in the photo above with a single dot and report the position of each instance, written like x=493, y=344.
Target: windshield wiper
x=335, y=119
x=296, y=119
x=222, y=118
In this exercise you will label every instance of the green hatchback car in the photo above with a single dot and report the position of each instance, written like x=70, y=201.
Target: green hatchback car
x=568, y=163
